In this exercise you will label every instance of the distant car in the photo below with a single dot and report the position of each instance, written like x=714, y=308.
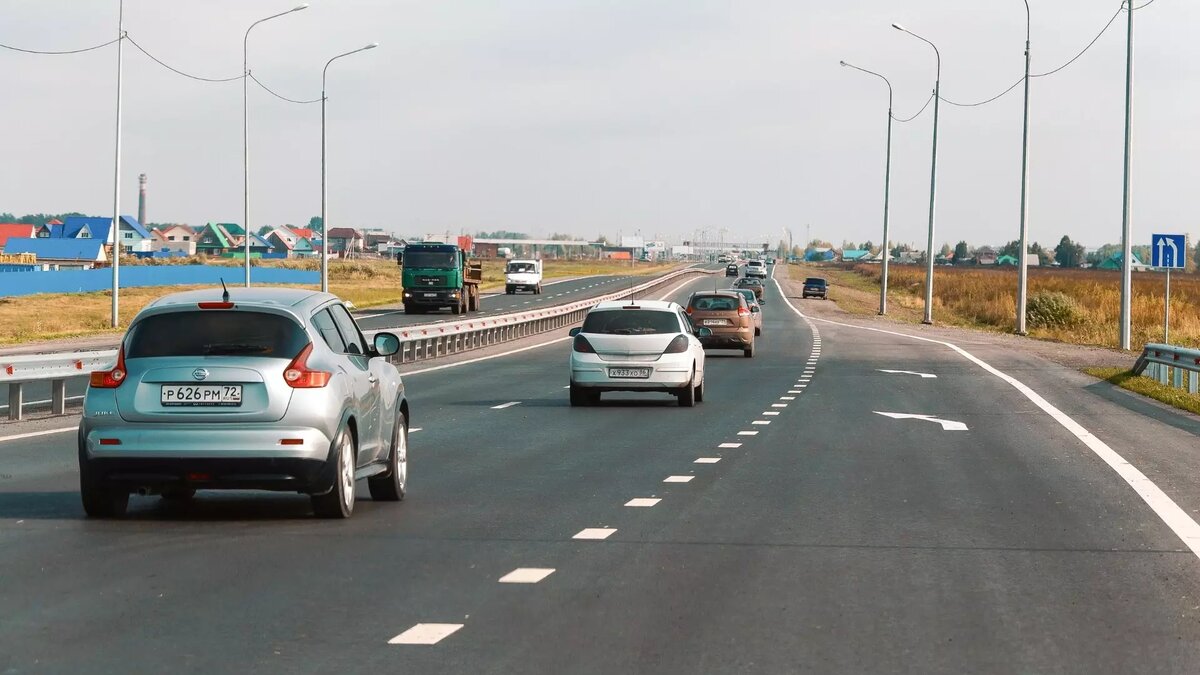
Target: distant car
x=731, y=270
x=724, y=258
x=770, y=261
x=637, y=345
x=264, y=388
x=756, y=268
x=815, y=287
x=753, y=284
x=755, y=308
x=727, y=316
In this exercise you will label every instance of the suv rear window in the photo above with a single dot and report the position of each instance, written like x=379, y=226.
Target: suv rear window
x=215, y=333
x=631, y=322
x=814, y=281
x=715, y=303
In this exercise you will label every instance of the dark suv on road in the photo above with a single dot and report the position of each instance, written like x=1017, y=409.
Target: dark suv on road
x=731, y=270
x=816, y=287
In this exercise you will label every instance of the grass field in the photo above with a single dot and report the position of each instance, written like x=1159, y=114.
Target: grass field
x=1074, y=306
x=366, y=283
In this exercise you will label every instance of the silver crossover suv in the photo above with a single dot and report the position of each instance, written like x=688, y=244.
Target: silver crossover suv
x=259, y=388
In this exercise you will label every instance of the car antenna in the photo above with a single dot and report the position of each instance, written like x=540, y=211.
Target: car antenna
x=224, y=291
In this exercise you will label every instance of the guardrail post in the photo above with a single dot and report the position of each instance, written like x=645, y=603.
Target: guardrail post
x=1163, y=373
x=1193, y=382
x=58, y=397
x=1178, y=383
x=16, y=400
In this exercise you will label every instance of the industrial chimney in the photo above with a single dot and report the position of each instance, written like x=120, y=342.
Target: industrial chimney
x=142, y=199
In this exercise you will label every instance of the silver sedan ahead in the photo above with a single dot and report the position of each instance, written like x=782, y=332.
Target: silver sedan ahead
x=262, y=388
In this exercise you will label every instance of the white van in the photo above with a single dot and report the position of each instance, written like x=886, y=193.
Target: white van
x=523, y=275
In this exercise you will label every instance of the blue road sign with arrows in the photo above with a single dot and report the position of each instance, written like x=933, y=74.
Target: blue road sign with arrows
x=1168, y=250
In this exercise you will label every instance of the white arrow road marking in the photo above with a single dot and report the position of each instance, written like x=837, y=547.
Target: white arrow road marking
x=947, y=425
x=924, y=376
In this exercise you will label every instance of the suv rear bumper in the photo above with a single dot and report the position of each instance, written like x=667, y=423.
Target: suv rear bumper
x=308, y=476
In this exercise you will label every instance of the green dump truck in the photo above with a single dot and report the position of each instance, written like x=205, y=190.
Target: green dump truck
x=436, y=275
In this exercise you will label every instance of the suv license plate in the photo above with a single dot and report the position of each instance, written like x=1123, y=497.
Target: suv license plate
x=637, y=373
x=715, y=322
x=222, y=395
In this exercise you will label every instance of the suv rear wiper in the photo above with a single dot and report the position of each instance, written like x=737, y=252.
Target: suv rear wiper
x=231, y=349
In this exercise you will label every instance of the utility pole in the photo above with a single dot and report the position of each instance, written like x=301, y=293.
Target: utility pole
x=1126, y=244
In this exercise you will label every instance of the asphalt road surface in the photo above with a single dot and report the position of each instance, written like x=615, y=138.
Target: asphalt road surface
x=799, y=520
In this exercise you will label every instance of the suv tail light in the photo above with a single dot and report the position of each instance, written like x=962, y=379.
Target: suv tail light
x=299, y=376
x=111, y=379
x=678, y=346
x=743, y=311
x=582, y=346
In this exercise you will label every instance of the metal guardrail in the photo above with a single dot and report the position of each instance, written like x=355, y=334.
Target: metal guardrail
x=417, y=343
x=1170, y=365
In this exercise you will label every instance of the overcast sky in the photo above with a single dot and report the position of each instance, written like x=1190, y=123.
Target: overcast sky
x=603, y=116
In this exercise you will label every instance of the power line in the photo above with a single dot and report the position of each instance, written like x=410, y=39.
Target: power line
x=278, y=96
x=1050, y=72
x=178, y=71
x=57, y=53
x=909, y=119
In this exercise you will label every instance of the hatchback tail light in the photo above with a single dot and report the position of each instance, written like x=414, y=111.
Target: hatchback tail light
x=111, y=379
x=690, y=310
x=678, y=346
x=299, y=376
x=743, y=311
x=582, y=346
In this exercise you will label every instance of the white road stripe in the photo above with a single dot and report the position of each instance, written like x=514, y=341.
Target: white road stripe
x=426, y=634
x=595, y=533
x=771, y=412
x=706, y=460
x=526, y=575
x=761, y=422
x=1175, y=518
x=502, y=406
x=747, y=433
x=779, y=405
x=678, y=479
x=642, y=502
x=35, y=434
x=730, y=445
x=787, y=398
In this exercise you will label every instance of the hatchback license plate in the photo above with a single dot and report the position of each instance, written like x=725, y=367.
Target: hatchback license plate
x=715, y=322
x=222, y=395
x=634, y=373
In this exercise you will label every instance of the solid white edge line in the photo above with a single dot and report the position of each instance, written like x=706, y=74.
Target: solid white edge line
x=1175, y=517
x=35, y=434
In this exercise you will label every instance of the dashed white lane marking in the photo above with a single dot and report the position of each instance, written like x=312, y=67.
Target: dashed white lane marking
x=924, y=376
x=747, y=433
x=566, y=387
x=502, y=406
x=1176, y=518
x=706, y=460
x=779, y=405
x=761, y=422
x=678, y=479
x=642, y=502
x=526, y=575
x=35, y=434
x=414, y=430
x=771, y=412
x=947, y=425
x=595, y=533
x=794, y=391
x=426, y=634
x=805, y=380
x=729, y=445
x=787, y=398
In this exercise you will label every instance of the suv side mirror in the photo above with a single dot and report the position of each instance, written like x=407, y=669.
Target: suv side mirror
x=755, y=309
x=703, y=332
x=386, y=344
x=574, y=331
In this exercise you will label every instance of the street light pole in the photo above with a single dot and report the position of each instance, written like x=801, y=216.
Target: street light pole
x=1023, y=267
x=937, y=97
x=324, y=185
x=115, y=228
x=887, y=190
x=246, y=130
x=1126, y=244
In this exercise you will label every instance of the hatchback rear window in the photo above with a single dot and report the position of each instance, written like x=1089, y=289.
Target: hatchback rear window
x=715, y=303
x=215, y=333
x=631, y=322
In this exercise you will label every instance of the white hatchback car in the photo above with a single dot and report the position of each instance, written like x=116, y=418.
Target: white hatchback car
x=637, y=345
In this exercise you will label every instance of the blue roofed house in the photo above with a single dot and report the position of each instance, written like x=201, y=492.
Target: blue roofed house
x=852, y=255
x=83, y=252
x=134, y=237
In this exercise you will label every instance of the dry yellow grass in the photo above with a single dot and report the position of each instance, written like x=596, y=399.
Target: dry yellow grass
x=366, y=283
x=986, y=298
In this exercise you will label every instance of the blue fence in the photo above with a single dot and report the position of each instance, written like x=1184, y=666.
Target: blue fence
x=85, y=281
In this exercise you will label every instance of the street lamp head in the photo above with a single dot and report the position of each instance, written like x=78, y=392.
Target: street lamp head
x=373, y=45
x=303, y=5
x=899, y=27
x=842, y=63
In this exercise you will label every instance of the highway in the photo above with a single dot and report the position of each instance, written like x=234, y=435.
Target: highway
x=555, y=291
x=851, y=500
